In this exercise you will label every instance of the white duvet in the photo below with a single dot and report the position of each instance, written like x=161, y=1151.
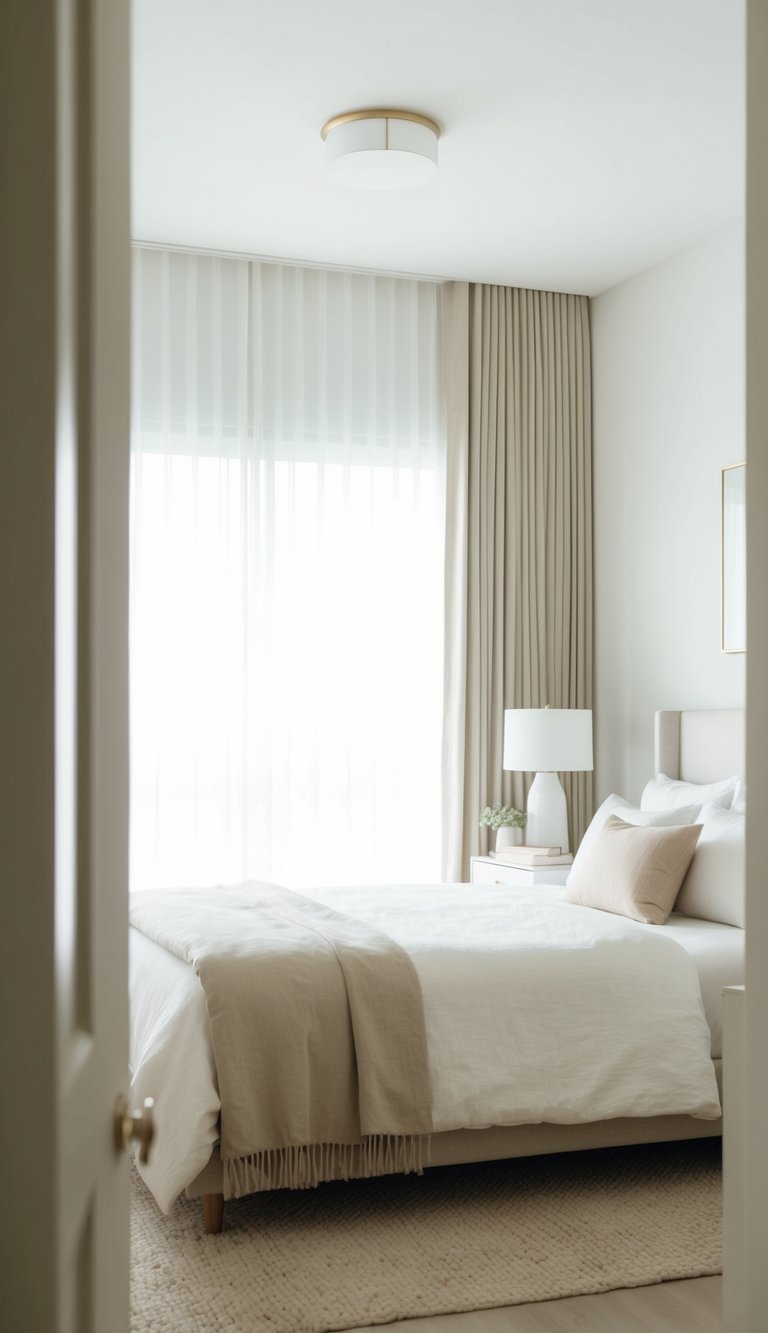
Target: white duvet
x=536, y=1010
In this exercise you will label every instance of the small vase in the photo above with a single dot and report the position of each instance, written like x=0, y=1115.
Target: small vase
x=508, y=837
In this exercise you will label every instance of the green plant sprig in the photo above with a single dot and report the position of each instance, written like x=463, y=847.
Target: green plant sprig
x=502, y=816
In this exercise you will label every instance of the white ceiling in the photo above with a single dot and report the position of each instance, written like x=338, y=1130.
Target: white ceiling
x=583, y=140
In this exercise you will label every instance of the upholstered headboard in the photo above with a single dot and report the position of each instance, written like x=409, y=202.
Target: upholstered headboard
x=701, y=745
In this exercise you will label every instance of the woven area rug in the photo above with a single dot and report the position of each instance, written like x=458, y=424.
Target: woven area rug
x=456, y=1238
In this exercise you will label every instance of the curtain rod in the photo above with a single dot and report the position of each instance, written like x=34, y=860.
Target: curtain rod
x=290, y=263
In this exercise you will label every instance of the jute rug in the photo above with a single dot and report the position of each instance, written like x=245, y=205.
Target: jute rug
x=457, y=1238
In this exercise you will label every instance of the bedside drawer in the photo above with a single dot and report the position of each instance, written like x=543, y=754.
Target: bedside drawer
x=484, y=870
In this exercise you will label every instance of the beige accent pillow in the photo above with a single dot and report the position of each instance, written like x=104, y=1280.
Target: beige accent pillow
x=634, y=871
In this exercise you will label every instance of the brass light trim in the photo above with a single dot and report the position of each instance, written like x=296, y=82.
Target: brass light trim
x=379, y=113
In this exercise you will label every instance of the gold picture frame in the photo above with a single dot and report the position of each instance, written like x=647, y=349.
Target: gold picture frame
x=733, y=558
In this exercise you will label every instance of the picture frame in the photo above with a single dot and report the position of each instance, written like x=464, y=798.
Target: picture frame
x=733, y=558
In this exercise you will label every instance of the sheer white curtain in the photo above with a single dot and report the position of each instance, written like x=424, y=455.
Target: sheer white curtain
x=287, y=574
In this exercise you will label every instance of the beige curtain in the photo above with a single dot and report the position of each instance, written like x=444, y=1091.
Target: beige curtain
x=518, y=616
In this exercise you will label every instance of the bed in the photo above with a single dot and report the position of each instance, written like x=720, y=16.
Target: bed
x=597, y=1074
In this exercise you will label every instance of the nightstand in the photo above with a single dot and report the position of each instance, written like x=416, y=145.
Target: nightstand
x=486, y=870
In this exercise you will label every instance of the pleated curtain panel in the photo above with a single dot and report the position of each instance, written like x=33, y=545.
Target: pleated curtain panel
x=287, y=511
x=360, y=530
x=518, y=558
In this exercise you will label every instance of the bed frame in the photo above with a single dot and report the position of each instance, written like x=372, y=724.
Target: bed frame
x=697, y=746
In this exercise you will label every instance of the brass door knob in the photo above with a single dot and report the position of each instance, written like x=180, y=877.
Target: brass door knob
x=139, y=1127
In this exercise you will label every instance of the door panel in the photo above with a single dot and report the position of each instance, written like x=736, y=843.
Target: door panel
x=64, y=457
x=92, y=635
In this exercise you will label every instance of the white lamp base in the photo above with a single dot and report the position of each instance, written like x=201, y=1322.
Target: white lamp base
x=547, y=822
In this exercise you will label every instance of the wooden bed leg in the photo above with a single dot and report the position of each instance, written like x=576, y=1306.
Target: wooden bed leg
x=213, y=1209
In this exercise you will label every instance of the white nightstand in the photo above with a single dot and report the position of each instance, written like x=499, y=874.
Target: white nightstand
x=486, y=870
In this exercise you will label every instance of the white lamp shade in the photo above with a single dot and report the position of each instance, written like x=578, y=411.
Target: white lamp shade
x=548, y=740
x=380, y=152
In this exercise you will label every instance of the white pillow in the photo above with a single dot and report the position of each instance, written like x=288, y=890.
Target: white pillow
x=714, y=886
x=616, y=805
x=663, y=793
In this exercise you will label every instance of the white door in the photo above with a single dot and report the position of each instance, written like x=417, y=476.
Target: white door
x=64, y=457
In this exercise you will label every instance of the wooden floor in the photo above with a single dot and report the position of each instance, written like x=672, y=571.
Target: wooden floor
x=692, y=1306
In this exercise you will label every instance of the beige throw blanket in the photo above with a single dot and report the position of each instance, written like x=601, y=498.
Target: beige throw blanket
x=318, y=1034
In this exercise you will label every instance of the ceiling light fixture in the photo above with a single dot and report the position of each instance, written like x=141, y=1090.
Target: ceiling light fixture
x=381, y=149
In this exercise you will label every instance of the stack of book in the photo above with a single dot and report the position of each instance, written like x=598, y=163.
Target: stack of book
x=533, y=856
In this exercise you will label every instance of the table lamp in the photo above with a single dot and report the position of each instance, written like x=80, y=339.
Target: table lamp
x=547, y=741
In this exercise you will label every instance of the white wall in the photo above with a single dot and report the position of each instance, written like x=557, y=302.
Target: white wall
x=668, y=395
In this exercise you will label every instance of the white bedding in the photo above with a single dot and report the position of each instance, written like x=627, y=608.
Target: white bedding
x=528, y=1010
x=718, y=953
